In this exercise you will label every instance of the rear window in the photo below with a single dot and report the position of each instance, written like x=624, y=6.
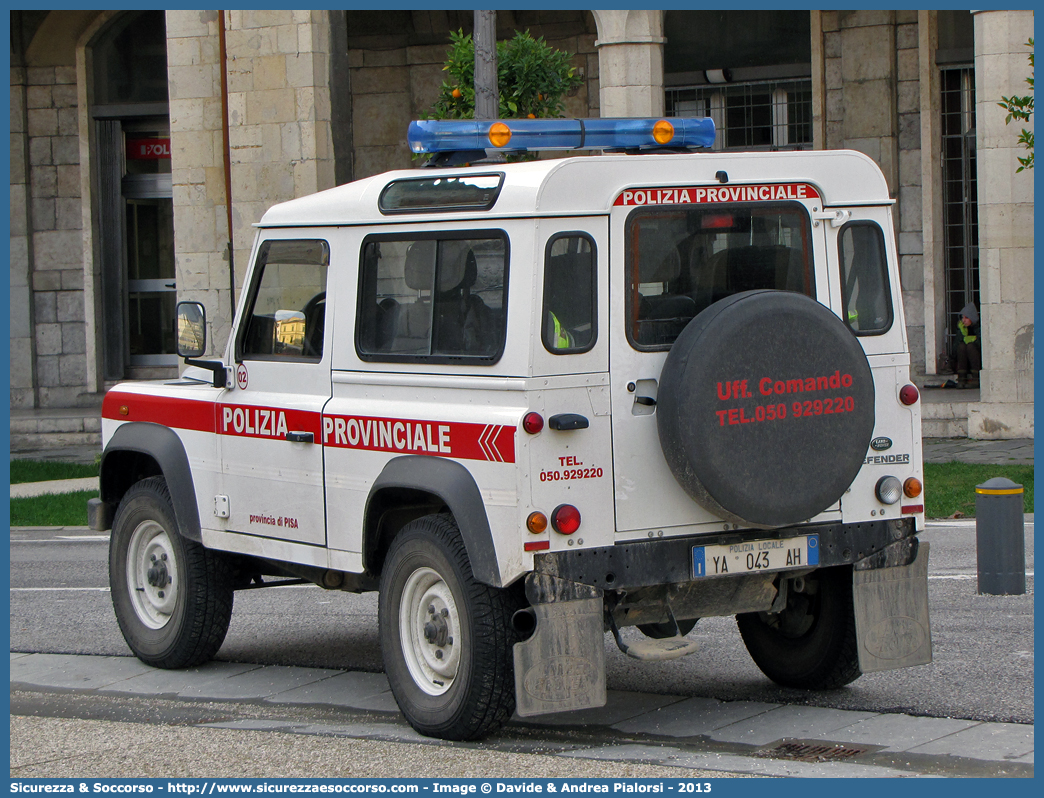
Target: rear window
x=680, y=261
x=470, y=192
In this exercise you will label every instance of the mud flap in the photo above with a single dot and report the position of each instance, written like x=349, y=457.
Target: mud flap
x=561, y=667
x=891, y=615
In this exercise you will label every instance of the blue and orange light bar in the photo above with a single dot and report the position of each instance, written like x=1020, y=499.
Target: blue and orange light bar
x=518, y=135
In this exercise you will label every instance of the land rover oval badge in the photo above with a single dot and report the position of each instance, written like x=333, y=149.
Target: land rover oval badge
x=880, y=444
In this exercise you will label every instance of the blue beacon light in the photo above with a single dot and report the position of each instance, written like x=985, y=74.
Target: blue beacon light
x=516, y=135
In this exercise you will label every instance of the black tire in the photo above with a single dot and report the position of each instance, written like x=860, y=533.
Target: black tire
x=661, y=631
x=174, y=614
x=453, y=678
x=811, y=644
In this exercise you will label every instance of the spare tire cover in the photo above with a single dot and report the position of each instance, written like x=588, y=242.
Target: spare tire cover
x=765, y=408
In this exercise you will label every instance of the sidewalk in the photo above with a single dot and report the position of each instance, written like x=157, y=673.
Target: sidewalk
x=739, y=737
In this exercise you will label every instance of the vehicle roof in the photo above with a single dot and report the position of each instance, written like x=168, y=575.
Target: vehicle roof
x=588, y=185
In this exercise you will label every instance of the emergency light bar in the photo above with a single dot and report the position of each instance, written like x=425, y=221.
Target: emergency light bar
x=516, y=135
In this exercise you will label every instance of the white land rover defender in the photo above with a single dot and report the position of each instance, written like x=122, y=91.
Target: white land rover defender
x=533, y=403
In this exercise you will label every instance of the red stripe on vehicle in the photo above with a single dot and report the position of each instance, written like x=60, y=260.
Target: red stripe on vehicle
x=460, y=440
x=253, y=421
x=171, y=412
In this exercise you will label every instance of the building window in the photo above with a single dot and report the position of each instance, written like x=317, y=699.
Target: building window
x=960, y=192
x=769, y=115
x=749, y=71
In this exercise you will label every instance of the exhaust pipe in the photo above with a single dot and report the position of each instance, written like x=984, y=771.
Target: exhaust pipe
x=524, y=622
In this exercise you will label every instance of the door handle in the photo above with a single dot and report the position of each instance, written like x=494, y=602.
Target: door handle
x=567, y=421
x=170, y=285
x=300, y=437
x=648, y=401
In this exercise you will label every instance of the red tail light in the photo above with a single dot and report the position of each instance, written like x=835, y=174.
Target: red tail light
x=565, y=519
x=908, y=394
x=532, y=423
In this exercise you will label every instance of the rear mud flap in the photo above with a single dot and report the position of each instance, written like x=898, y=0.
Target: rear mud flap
x=891, y=615
x=561, y=667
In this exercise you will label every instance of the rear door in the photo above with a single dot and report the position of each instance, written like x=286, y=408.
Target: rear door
x=681, y=250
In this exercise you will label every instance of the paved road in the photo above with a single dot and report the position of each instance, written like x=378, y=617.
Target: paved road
x=983, y=668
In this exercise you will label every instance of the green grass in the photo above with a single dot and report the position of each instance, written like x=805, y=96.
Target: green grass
x=45, y=470
x=949, y=488
x=63, y=509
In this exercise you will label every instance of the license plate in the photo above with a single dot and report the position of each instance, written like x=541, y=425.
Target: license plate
x=755, y=556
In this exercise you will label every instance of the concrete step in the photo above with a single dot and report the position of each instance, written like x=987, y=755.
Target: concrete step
x=55, y=428
x=944, y=412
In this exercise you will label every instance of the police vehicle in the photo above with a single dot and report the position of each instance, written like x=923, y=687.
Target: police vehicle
x=540, y=402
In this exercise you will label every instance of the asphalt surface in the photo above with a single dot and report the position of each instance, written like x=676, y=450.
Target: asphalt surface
x=85, y=716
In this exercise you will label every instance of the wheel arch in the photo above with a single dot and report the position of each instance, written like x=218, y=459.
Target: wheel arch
x=412, y=486
x=140, y=449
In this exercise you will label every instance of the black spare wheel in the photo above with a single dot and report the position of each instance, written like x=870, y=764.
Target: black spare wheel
x=765, y=408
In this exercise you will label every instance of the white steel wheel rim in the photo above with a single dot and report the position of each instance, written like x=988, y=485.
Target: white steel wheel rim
x=429, y=630
x=152, y=574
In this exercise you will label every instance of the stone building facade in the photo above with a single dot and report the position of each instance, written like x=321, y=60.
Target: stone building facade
x=144, y=145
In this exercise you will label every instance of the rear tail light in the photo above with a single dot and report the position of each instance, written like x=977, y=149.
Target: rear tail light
x=888, y=490
x=908, y=394
x=912, y=488
x=532, y=423
x=565, y=519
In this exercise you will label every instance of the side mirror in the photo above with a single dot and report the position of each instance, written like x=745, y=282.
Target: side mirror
x=191, y=329
x=191, y=333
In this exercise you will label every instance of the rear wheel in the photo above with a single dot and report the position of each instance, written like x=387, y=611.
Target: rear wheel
x=446, y=638
x=812, y=643
x=172, y=596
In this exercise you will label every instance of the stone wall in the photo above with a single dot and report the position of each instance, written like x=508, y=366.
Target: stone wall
x=48, y=346
x=392, y=86
x=872, y=76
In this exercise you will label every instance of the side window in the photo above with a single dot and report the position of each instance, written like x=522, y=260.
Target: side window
x=432, y=298
x=681, y=261
x=287, y=312
x=569, y=294
x=864, y=278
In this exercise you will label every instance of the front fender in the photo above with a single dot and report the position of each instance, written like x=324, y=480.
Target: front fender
x=453, y=484
x=141, y=449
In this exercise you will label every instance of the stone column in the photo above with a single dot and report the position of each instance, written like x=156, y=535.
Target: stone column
x=630, y=62
x=279, y=113
x=1005, y=230
x=279, y=137
x=23, y=394
x=197, y=167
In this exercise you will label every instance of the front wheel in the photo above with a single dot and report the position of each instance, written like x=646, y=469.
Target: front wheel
x=446, y=638
x=812, y=643
x=172, y=596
